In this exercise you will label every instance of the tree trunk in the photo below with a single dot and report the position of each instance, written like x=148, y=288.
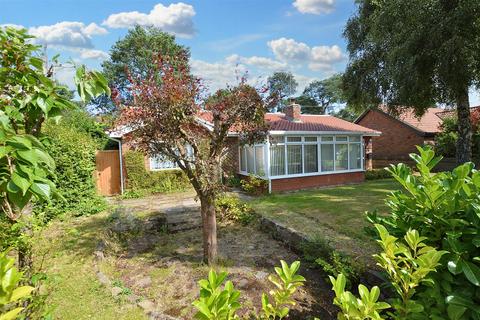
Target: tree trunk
x=209, y=229
x=464, y=143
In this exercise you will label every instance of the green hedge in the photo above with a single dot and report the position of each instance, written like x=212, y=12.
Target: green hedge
x=74, y=155
x=141, y=182
x=376, y=174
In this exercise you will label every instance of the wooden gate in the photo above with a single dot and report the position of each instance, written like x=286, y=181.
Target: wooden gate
x=108, y=172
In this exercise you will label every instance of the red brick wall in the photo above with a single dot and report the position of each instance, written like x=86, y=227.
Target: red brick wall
x=230, y=165
x=397, y=140
x=290, y=184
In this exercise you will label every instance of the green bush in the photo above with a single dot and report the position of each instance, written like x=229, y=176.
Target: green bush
x=231, y=209
x=445, y=208
x=446, y=141
x=376, y=174
x=254, y=185
x=338, y=263
x=74, y=155
x=141, y=182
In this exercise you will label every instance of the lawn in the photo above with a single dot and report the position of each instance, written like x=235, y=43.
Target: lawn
x=335, y=214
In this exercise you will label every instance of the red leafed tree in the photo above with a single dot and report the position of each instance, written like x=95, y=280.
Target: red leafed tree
x=169, y=116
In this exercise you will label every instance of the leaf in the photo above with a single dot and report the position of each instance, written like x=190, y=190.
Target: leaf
x=21, y=292
x=455, y=266
x=11, y=315
x=41, y=189
x=20, y=182
x=471, y=272
x=455, y=312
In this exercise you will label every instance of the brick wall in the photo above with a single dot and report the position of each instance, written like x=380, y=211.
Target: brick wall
x=290, y=184
x=230, y=165
x=397, y=140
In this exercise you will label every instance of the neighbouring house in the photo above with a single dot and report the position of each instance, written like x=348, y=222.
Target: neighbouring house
x=301, y=151
x=400, y=134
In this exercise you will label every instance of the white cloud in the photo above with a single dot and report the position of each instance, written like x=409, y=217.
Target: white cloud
x=260, y=62
x=175, y=18
x=314, y=6
x=12, y=25
x=93, y=54
x=318, y=58
x=68, y=34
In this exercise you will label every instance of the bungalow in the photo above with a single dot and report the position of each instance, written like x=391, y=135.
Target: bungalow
x=301, y=151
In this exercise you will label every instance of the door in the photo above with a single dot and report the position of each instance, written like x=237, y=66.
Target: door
x=108, y=172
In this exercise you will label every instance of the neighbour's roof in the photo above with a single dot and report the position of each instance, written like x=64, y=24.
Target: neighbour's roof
x=429, y=123
x=315, y=123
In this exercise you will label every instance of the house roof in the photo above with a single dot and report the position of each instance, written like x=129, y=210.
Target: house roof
x=428, y=123
x=315, y=123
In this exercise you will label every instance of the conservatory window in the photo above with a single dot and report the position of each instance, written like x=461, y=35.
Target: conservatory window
x=311, y=158
x=341, y=157
x=355, y=156
x=250, y=160
x=327, y=151
x=277, y=160
x=259, y=163
x=294, y=159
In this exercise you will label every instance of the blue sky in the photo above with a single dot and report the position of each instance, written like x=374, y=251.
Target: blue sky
x=263, y=36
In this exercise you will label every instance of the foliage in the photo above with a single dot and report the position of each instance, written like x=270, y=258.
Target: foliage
x=254, y=185
x=446, y=140
x=415, y=53
x=407, y=263
x=338, y=263
x=217, y=303
x=376, y=174
x=444, y=208
x=74, y=154
x=281, y=85
x=325, y=92
x=81, y=121
x=141, y=182
x=171, y=118
x=233, y=180
x=346, y=113
x=134, y=54
x=11, y=294
x=231, y=209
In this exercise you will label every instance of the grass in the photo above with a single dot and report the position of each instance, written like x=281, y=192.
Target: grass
x=335, y=214
x=66, y=249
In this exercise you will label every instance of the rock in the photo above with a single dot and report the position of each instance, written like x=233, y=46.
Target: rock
x=147, y=306
x=260, y=275
x=103, y=278
x=99, y=255
x=144, y=282
x=242, y=284
x=116, y=291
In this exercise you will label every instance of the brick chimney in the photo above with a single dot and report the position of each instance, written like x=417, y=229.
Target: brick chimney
x=292, y=112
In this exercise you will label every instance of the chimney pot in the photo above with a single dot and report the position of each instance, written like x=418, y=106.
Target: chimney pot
x=293, y=111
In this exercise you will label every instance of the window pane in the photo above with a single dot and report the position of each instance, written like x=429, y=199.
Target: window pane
x=327, y=157
x=250, y=168
x=311, y=156
x=355, y=156
x=327, y=138
x=354, y=138
x=294, y=159
x=277, y=160
x=259, y=161
x=310, y=139
x=341, y=157
x=243, y=162
x=341, y=138
x=159, y=162
x=294, y=139
x=277, y=139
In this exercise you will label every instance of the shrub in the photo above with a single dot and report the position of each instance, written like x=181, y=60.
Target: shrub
x=74, y=155
x=338, y=263
x=376, y=174
x=446, y=141
x=254, y=185
x=141, y=182
x=443, y=207
x=231, y=209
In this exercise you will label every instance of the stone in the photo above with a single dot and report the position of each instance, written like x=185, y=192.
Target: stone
x=116, y=291
x=103, y=279
x=147, y=306
x=260, y=275
x=242, y=284
x=144, y=282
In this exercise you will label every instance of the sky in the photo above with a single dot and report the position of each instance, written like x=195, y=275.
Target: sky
x=226, y=37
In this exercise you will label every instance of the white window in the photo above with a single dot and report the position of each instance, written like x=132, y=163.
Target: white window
x=277, y=159
x=311, y=158
x=327, y=155
x=250, y=160
x=294, y=159
x=341, y=157
x=160, y=162
x=243, y=160
x=355, y=156
x=259, y=163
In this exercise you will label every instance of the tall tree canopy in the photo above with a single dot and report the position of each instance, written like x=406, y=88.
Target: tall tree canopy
x=281, y=85
x=415, y=53
x=135, y=53
x=325, y=92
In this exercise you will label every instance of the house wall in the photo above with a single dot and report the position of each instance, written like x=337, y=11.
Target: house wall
x=290, y=184
x=397, y=140
x=231, y=163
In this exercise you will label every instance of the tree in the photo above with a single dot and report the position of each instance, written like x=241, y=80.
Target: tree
x=415, y=53
x=325, y=92
x=168, y=117
x=135, y=53
x=28, y=98
x=281, y=85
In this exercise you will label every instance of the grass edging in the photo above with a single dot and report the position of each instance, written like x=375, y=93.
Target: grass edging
x=295, y=240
